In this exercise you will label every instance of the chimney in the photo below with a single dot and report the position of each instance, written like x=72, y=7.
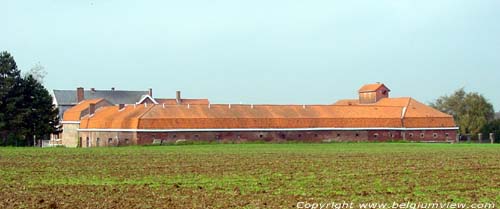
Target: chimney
x=150, y=93
x=79, y=94
x=121, y=106
x=112, y=88
x=91, y=109
x=178, y=97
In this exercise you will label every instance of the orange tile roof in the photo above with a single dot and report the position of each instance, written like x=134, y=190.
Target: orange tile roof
x=371, y=87
x=74, y=113
x=417, y=109
x=386, y=113
x=267, y=116
x=416, y=115
x=112, y=117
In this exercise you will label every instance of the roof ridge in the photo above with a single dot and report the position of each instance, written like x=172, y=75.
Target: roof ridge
x=372, y=87
x=405, y=109
x=139, y=117
x=365, y=105
x=175, y=98
x=226, y=104
x=97, y=90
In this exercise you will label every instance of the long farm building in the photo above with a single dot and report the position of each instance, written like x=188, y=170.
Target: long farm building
x=374, y=116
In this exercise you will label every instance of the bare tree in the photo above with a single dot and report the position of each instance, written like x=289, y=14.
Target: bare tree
x=38, y=72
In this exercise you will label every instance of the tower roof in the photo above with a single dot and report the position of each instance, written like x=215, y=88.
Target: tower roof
x=372, y=87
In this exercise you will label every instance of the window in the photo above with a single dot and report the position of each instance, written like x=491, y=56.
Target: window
x=357, y=134
x=260, y=136
x=88, y=142
x=110, y=140
x=338, y=135
x=447, y=135
x=97, y=142
x=422, y=135
x=393, y=135
x=411, y=135
x=435, y=135
x=375, y=135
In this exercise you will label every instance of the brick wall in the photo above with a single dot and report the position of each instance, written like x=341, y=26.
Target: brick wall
x=246, y=136
x=143, y=138
x=428, y=135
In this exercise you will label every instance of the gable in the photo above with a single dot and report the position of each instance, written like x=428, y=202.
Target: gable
x=146, y=99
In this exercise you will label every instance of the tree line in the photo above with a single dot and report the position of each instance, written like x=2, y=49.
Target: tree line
x=27, y=113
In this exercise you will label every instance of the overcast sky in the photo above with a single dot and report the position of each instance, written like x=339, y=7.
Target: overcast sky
x=260, y=51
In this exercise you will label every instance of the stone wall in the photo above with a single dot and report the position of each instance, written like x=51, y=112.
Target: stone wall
x=107, y=138
x=69, y=136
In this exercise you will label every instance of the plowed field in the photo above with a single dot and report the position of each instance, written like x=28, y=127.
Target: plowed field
x=248, y=175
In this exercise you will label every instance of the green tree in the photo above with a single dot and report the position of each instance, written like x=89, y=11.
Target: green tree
x=15, y=112
x=492, y=127
x=27, y=111
x=38, y=116
x=471, y=111
x=9, y=76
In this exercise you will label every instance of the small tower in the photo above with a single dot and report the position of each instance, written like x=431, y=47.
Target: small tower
x=372, y=93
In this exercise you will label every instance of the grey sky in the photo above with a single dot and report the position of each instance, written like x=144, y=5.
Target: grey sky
x=260, y=51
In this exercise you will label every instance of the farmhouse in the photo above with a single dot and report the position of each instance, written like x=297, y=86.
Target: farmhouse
x=66, y=99
x=374, y=116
